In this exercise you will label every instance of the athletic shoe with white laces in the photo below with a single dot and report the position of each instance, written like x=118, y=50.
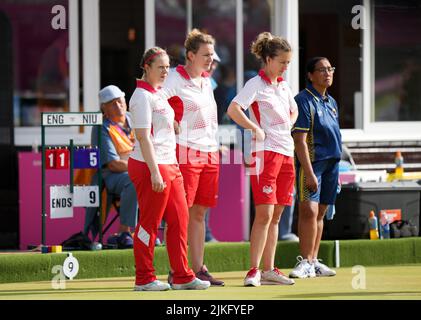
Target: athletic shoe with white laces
x=275, y=277
x=322, y=270
x=195, y=284
x=303, y=269
x=153, y=286
x=252, y=278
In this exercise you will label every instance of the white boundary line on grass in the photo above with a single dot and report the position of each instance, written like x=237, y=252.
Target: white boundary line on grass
x=337, y=255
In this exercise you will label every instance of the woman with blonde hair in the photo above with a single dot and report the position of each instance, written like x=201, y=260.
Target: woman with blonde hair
x=189, y=91
x=156, y=176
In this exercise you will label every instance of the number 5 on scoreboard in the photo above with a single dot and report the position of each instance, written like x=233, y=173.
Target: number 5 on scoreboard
x=93, y=159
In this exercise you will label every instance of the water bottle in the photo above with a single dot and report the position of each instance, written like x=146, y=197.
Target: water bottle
x=386, y=231
x=399, y=164
x=373, y=225
x=35, y=146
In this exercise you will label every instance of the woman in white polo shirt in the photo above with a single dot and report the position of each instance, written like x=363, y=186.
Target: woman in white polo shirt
x=189, y=91
x=273, y=111
x=155, y=174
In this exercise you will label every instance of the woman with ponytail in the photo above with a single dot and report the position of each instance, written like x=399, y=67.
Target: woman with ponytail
x=273, y=112
x=189, y=92
x=155, y=173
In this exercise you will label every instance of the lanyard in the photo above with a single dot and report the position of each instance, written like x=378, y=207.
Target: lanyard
x=317, y=99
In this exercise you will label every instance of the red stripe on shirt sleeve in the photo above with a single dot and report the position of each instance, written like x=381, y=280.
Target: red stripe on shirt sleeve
x=177, y=104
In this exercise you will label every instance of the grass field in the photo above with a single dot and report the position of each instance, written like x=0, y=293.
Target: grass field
x=388, y=282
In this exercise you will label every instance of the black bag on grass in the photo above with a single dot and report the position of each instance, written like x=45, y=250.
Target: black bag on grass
x=78, y=241
x=402, y=229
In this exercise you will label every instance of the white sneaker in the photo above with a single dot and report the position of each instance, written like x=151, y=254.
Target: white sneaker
x=311, y=270
x=252, y=278
x=195, y=284
x=275, y=276
x=322, y=270
x=303, y=269
x=153, y=286
x=290, y=237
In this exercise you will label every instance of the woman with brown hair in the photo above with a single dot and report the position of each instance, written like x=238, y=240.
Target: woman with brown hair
x=273, y=112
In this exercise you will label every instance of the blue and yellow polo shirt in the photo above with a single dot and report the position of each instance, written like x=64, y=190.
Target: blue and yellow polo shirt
x=319, y=117
x=116, y=142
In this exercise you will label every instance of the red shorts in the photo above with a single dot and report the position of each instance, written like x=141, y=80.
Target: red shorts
x=200, y=172
x=275, y=184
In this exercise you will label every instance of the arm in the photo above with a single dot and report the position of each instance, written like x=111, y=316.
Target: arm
x=304, y=157
x=109, y=155
x=148, y=152
x=236, y=113
x=169, y=92
x=293, y=107
x=294, y=116
x=117, y=165
x=141, y=110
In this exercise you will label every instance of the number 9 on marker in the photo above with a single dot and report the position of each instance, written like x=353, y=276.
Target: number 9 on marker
x=70, y=266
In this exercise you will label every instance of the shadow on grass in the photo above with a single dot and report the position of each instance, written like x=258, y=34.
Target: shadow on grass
x=128, y=279
x=329, y=295
x=62, y=291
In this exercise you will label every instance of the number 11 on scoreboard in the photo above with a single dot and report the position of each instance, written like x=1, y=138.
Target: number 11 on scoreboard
x=57, y=158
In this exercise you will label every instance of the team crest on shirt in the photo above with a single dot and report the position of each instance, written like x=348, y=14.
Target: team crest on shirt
x=320, y=112
x=267, y=189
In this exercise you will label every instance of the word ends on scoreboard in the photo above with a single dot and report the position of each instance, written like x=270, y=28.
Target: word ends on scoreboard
x=62, y=201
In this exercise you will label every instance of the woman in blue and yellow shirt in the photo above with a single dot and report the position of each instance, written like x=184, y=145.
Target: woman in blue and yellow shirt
x=318, y=147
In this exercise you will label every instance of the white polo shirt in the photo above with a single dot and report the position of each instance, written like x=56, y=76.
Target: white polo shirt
x=150, y=110
x=195, y=109
x=271, y=108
